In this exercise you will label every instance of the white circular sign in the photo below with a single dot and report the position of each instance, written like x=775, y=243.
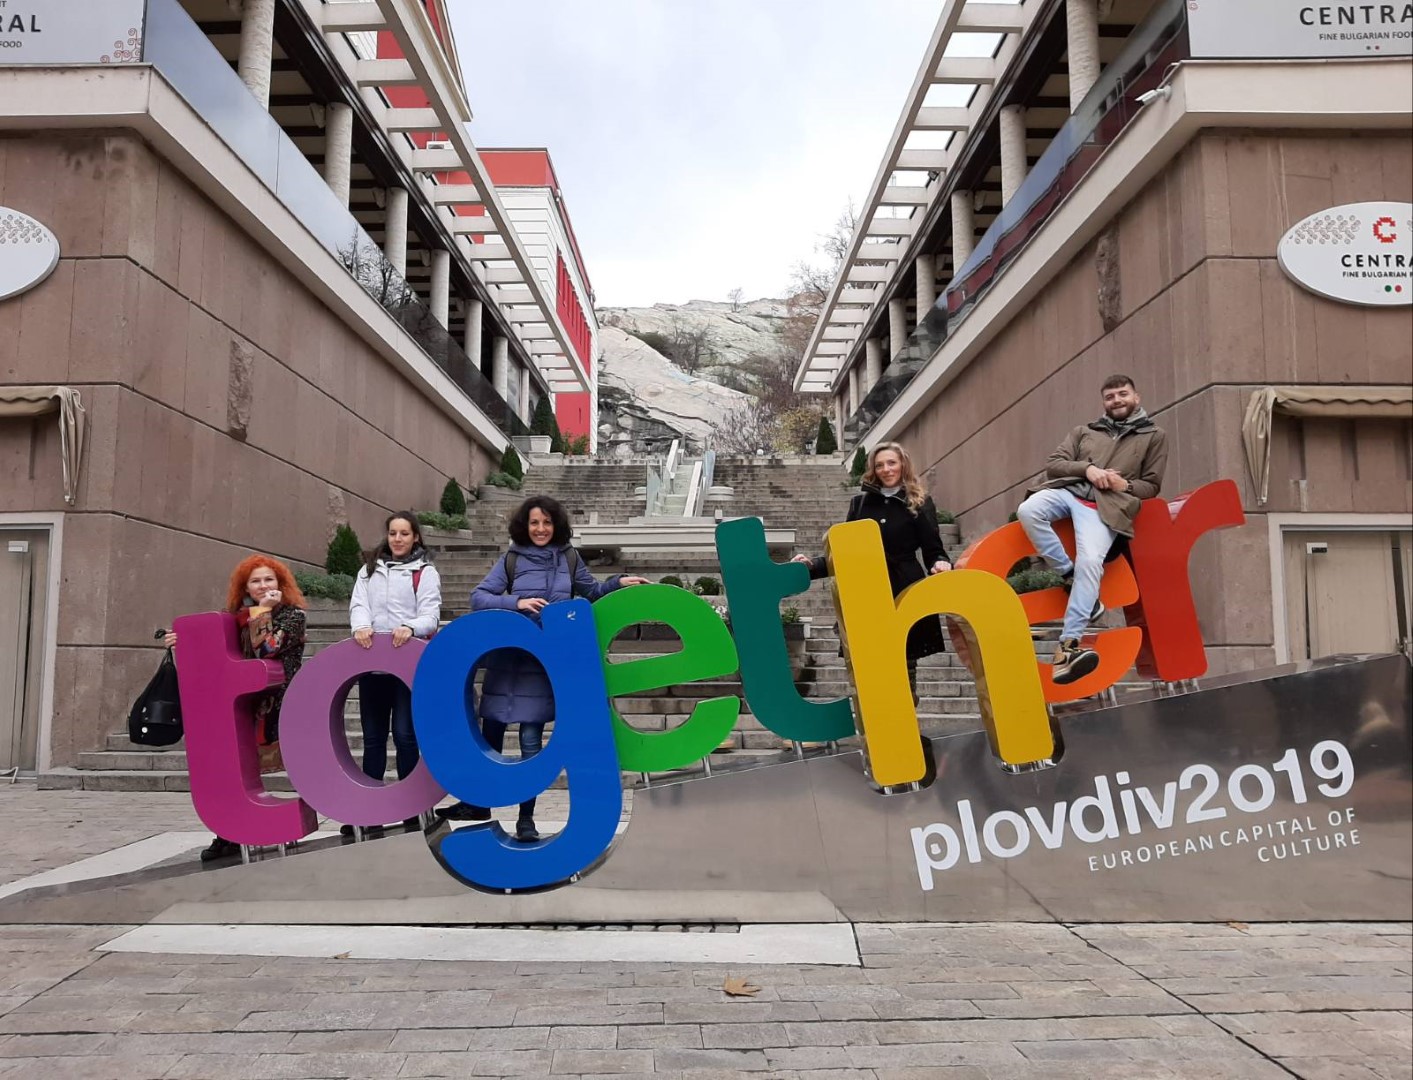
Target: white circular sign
x=28, y=252
x=1359, y=253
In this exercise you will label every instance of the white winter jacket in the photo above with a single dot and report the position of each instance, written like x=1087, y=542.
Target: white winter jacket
x=386, y=600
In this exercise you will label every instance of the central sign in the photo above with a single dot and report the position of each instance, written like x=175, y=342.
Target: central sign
x=1358, y=253
x=1288, y=29
x=71, y=31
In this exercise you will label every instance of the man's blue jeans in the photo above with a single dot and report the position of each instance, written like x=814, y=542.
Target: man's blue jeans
x=1092, y=542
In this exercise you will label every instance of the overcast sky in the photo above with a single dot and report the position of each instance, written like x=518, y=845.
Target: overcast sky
x=701, y=145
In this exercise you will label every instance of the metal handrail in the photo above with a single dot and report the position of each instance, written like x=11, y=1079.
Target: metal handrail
x=689, y=506
x=696, y=506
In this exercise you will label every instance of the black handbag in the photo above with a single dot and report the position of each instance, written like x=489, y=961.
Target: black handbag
x=156, y=716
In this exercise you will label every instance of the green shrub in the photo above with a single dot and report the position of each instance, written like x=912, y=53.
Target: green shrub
x=317, y=586
x=860, y=465
x=345, y=554
x=434, y=520
x=707, y=586
x=544, y=422
x=453, y=501
x=1035, y=580
x=790, y=615
x=577, y=445
x=510, y=466
x=505, y=480
x=824, y=442
x=671, y=579
x=946, y=517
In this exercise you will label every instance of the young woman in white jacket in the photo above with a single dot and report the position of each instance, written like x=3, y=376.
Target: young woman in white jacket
x=397, y=592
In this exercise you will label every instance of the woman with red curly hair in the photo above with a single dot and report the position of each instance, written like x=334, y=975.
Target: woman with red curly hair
x=269, y=609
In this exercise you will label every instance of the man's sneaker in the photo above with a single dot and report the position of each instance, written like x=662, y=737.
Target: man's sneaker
x=1072, y=661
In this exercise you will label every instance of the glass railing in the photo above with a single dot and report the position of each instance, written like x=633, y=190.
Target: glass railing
x=178, y=48
x=1103, y=114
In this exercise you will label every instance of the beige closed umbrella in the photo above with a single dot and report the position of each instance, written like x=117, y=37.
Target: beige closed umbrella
x=1327, y=402
x=16, y=401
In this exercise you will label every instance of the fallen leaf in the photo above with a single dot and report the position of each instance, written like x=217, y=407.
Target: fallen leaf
x=341, y=956
x=1239, y=925
x=739, y=988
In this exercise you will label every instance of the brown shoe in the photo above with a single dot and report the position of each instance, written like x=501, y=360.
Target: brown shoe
x=1072, y=661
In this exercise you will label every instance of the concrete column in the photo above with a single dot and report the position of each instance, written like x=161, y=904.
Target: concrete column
x=1013, y=163
x=873, y=364
x=473, y=332
x=441, y=286
x=500, y=366
x=897, y=326
x=854, y=394
x=841, y=415
x=925, y=270
x=963, y=228
x=395, y=230
x=525, y=394
x=257, y=43
x=338, y=149
x=1082, y=27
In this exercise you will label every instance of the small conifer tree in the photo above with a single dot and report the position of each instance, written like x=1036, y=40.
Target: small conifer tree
x=510, y=464
x=856, y=471
x=825, y=442
x=345, y=554
x=453, y=500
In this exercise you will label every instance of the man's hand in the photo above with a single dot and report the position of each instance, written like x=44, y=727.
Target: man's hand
x=634, y=580
x=531, y=605
x=401, y=636
x=364, y=637
x=1116, y=481
x=1100, y=478
x=802, y=559
x=941, y=566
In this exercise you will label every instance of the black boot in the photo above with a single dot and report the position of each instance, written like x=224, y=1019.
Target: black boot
x=525, y=830
x=220, y=849
x=463, y=811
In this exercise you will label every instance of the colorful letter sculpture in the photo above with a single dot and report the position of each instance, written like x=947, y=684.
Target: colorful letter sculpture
x=592, y=743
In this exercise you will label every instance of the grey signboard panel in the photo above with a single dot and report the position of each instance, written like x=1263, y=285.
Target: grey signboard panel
x=1279, y=795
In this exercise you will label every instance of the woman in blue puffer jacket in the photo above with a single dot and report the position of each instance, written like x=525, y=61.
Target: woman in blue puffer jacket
x=545, y=570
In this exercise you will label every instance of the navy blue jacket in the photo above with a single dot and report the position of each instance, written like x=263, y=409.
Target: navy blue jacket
x=516, y=689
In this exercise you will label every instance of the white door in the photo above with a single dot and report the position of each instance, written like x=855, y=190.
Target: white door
x=1347, y=591
x=24, y=560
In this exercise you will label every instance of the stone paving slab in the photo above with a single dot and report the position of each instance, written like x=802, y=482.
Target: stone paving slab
x=930, y=1001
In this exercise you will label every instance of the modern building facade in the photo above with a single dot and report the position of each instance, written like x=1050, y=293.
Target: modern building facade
x=1078, y=188
x=530, y=190
x=287, y=295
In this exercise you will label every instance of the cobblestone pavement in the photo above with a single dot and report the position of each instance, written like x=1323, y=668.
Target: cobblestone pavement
x=1327, y=1000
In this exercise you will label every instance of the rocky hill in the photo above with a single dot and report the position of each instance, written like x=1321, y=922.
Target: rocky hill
x=675, y=370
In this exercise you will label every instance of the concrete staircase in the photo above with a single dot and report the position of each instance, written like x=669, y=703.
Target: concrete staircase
x=807, y=495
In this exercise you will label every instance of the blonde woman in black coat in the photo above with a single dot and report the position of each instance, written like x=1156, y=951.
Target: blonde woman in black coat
x=892, y=495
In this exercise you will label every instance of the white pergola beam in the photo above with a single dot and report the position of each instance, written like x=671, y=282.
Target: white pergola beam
x=348, y=18
x=905, y=195
x=473, y=225
x=942, y=118
x=966, y=71
x=410, y=119
x=456, y=195
x=435, y=161
x=384, y=73
x=992, y=19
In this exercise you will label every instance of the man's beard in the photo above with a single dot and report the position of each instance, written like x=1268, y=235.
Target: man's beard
x=1120, y=412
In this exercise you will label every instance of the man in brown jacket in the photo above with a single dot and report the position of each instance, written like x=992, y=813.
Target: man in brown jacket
x=1097, y=478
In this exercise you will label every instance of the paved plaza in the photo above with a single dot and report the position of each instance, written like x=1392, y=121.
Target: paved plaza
x=1327, y=1001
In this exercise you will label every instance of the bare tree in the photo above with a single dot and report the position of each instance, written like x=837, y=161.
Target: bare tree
x=736, y=295
x=690, y=346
